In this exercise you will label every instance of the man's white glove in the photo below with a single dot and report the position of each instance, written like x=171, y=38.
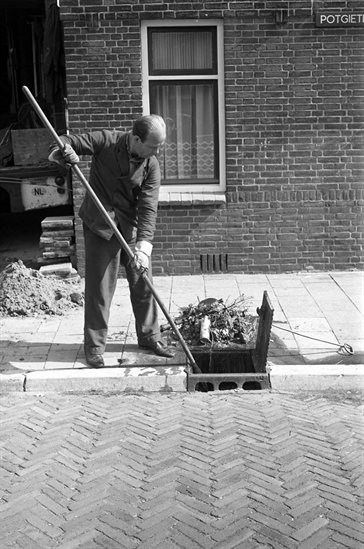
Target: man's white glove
x=64, y=157
x=142, y=252
x=141, y=260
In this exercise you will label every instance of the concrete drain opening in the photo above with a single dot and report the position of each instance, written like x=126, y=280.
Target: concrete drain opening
x=226, y=370
x=230, y=386
x=235, y=366
x=252, y=386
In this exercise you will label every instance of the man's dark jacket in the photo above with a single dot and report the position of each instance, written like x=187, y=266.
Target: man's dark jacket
x=128, y=190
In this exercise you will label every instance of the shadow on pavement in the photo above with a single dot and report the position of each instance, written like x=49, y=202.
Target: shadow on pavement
x=22, y=356
x=280, y=353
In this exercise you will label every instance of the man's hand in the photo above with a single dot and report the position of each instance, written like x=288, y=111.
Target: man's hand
x=141, y=261
x=69, y=155
x=64, y=157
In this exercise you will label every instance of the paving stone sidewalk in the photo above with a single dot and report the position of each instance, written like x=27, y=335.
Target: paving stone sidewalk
x=328, y=307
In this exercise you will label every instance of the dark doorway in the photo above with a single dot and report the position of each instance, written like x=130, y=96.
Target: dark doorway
x=32, y=55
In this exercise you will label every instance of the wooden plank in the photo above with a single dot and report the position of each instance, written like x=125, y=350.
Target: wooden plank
x=57, y=243
x=60, y=268
x=58, y=222
x=53, y=254
x=58, y=234
x=68, y=250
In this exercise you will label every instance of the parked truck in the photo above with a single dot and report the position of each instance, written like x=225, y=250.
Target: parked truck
x=31, y=54
x=31, y=181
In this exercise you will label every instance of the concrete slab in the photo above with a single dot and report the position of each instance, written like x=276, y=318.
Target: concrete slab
x=304, y=325
x=133, y=356
x=37, y=363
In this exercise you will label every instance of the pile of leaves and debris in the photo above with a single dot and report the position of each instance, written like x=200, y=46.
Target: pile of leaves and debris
x=214, y=322
x=27, y=292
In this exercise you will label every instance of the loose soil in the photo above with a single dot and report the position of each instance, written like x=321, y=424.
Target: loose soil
x=26, y=292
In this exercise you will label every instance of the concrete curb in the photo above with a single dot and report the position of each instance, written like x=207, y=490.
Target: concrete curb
x=325, y=376
x=174, y=379
x=107, y=380
x=10, y=383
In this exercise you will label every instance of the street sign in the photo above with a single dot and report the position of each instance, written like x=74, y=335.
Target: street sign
x=326, y=18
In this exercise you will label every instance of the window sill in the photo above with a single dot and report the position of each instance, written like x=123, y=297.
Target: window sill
x=192, y=198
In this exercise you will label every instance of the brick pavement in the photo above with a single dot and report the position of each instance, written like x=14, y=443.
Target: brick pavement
x=184, y=470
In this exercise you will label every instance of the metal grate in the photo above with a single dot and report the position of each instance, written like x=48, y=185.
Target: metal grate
x=260, y=354
x=214, y=263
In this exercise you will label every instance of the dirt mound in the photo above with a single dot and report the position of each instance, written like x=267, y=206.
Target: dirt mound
x=26, y=292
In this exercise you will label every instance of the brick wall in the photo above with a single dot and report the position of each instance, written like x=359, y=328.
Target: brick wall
x=294, y=131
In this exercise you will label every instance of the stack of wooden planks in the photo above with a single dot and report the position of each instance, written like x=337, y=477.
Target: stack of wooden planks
x=57, y=241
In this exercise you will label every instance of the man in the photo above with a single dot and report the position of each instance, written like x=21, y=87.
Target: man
x=125, y=176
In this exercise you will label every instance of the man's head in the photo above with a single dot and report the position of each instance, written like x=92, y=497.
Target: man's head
x=148, y=136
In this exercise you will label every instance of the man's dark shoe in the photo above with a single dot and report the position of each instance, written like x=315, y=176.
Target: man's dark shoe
x=159, y=348
x=94, y=360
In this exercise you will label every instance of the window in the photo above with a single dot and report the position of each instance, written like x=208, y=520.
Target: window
x=183, y=82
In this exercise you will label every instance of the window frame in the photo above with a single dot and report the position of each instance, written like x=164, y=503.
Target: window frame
x=176, y=72
x=187, y=190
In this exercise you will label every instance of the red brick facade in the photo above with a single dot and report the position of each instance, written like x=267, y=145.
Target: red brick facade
x=294, y=131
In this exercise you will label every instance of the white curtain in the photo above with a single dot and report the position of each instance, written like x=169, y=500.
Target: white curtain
x=188, y=110
x=182, y=51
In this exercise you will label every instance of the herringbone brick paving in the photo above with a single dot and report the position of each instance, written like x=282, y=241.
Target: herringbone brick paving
x=197, y=470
